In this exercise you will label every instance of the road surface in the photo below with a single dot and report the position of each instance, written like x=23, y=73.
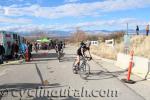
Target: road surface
x=44, y=78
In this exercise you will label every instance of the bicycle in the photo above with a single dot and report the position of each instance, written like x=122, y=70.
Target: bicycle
x=59, y=54
x=83, y=68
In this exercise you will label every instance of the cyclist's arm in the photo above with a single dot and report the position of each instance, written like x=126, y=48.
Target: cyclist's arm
x=82, y=51
x=89, y=53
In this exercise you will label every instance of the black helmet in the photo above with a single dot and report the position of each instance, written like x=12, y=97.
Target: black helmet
x=82, y=43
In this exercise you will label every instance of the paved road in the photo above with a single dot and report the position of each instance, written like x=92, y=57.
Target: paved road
x=45, y=78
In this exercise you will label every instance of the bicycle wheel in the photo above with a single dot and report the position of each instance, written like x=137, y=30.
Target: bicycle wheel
x=84, y=70
x=59, y=55
x=74, y=69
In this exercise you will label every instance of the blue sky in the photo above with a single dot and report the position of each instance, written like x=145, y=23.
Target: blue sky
x=28, y=15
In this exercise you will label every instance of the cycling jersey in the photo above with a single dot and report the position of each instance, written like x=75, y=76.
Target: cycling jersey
x=79, y=51
x=59, y=47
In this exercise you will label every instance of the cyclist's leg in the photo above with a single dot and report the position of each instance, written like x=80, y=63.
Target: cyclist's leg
x=62, y=49
x=77, y=62
x=56, y=49
x=58, y=53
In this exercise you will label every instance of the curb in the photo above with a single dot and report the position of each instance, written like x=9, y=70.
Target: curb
x=12, y=62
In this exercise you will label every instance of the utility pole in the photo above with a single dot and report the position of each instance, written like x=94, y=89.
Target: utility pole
x=127, y=29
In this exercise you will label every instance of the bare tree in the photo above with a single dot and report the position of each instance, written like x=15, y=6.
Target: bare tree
x=78, y=36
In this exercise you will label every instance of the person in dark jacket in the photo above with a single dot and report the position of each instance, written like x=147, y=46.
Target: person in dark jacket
x=29, y=45
x=147, y=30
x=2, y=52
x=137, y=30
x=15, y=49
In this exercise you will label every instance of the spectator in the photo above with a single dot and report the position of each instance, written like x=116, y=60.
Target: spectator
x=147, y=30
x=36, y=47
x=15, y=49
x=29, y=45
x=22, y=47
x=137, y=30
x=2, y=52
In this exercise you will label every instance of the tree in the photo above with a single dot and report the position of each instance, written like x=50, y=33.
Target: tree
x=78, y=36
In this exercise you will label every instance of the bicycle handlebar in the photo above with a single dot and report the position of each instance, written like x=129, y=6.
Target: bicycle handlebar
x=87, y=58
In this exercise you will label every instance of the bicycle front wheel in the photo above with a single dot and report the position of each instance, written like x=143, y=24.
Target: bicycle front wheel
x=84, y=70
x=74, y=67
x=58, y=54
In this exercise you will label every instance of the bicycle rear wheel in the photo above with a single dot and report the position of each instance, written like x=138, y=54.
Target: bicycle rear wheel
x=84, y=70
x=58, y=54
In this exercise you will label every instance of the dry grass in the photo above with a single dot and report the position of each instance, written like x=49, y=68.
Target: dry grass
x=104, y=51
x=140, y=45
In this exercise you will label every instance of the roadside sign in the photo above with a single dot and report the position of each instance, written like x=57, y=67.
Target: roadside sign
x=127, y=43
x=127, y=40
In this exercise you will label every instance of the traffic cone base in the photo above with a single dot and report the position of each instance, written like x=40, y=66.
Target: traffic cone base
x=128, y=81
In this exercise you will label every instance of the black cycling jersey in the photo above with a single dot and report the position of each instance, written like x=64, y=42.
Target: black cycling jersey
x=59, y=46
x=79, y=52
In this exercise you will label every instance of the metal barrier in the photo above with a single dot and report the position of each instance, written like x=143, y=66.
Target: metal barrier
x=110, y=43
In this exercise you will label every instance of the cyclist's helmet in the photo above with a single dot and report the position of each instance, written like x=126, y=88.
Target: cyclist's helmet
x=82, y=43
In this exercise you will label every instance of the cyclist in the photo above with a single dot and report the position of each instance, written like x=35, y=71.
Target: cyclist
x=81, y=52
x=59, y=46
x=62, y=46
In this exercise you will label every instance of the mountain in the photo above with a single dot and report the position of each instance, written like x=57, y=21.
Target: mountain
x=47, y=33
x=58, y=33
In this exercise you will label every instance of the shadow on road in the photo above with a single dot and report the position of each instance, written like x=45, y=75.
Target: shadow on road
x=100, y=75
x=44, y=56
x=42, y=98
x=71, y=98
x=28, y=86
x=68, y=59
x=46, y=98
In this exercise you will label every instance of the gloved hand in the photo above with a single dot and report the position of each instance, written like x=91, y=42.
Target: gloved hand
x=91, y=58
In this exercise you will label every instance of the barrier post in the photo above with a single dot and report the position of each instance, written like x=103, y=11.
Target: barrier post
x=127, y=80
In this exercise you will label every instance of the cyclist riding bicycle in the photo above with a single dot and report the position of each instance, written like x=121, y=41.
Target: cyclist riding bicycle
x=59, y=46
x=81, y=52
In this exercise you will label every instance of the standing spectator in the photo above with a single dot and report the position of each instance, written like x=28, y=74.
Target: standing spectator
x=15, y=49
x=29, y=45
x=137, y=30
x=22, y=48
x=147, y=30
x=36, y=47
x=2, y=52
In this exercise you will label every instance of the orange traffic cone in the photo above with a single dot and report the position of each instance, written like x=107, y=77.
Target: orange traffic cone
x=129, y=70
